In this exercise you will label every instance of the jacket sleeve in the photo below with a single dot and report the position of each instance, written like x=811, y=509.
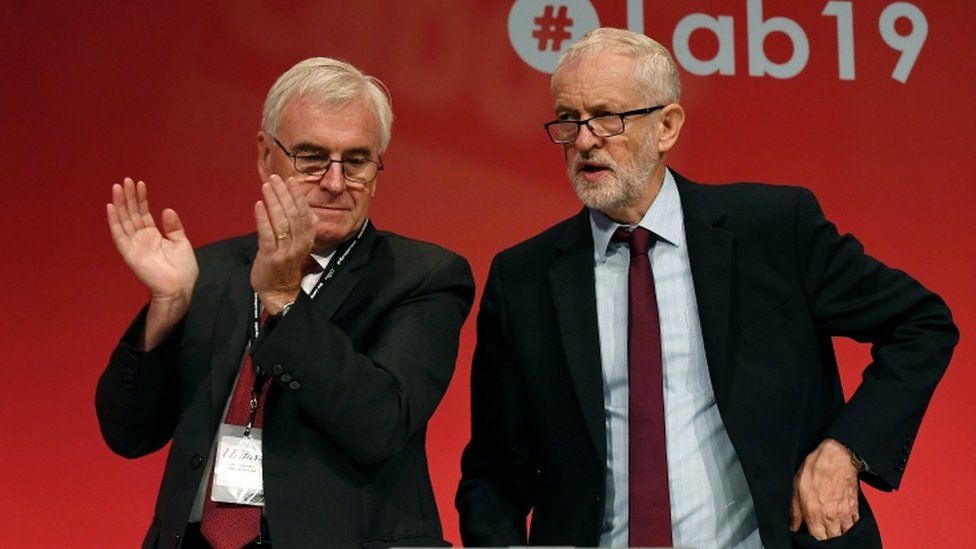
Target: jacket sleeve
x=498, y=475
x=371, y=395
x=909, y=328
x=135, y=399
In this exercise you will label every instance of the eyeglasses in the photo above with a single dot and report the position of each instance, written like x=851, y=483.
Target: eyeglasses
x=603, y=125
x=356, y=169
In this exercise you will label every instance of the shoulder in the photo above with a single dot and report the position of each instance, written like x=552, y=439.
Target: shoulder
x=409, y=258
x=405, y=248
x=743, y=193
x=747, y=202
x=546, y=244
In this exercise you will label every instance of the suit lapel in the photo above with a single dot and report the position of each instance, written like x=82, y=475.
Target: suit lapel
x=710, y=254
x=346, y=279
x=574, y=296
x=232, y=322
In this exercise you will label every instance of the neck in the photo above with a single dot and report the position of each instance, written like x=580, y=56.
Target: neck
x=632, y=213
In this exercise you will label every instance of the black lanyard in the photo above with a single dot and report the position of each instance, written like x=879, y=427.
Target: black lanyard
x=260, y=378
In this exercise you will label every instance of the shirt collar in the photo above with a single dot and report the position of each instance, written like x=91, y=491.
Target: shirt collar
x=663, y=218
x=323, y=258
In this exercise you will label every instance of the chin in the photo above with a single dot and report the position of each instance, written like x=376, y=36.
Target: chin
x=599, y=196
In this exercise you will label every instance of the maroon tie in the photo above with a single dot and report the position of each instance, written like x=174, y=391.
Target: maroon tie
x=650, y=504
x=229, y=525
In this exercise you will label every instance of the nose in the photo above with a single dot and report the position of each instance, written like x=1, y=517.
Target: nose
x=333, y=181
x=586, y=139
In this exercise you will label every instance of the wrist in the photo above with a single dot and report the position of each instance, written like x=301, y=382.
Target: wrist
x=276, y=303
x=181, y=298
x=858, y=463
x=856, y=460
x=162, y=316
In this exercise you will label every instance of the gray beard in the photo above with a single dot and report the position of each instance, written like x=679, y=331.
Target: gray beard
x=620, y=188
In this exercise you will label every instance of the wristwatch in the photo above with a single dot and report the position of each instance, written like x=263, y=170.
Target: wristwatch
x=272, y=320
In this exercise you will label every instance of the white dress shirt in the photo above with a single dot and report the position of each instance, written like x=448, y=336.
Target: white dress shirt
x=711, y=506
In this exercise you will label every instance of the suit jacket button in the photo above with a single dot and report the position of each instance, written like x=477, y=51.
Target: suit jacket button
x=286, y=377
x=277, y=369
x=294, y=385
x=196, y=460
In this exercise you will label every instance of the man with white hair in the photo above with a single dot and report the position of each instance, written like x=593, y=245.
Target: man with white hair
x=294, y=370
x=657, y=370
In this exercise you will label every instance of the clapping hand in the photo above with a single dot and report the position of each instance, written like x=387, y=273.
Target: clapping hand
x=286, y=233
x=162, y=260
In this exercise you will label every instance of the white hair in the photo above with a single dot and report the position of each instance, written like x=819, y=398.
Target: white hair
x=333, y=82
x=654, y=69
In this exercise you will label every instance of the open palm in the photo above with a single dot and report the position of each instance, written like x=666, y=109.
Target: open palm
x=162, y=260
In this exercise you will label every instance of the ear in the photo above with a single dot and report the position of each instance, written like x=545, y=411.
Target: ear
x=264, y=156
x=669, y=126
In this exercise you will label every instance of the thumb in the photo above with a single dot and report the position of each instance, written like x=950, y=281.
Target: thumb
x=172, y=226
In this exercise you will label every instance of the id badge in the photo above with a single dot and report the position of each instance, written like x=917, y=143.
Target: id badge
x=238, y=471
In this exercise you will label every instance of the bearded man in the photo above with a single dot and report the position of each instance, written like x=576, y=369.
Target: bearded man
x=657, y=370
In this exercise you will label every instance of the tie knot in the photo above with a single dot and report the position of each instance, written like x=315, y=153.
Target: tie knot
x=310, y=266
x=640, y=239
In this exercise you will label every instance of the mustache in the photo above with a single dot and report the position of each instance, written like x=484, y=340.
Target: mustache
x=592, y=157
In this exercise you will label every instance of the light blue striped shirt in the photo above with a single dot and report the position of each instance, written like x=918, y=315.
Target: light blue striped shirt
x=711, y=506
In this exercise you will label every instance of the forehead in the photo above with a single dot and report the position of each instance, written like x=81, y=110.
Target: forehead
x=307, y=121
x=597, y=81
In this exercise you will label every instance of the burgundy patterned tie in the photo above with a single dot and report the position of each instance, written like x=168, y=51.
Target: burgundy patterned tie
x=229, y=525
x=650, y=502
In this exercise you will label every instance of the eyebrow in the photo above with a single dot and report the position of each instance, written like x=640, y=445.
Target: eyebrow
x=306, y=147
x=595, y=110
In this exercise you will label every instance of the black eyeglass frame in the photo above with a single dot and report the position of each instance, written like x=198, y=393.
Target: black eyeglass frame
x=294, y=160
x=586, y=121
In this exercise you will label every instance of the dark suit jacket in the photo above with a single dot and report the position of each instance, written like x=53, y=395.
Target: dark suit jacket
x=356, y=374
x=774, y=282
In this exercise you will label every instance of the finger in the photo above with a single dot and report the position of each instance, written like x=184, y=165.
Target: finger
x=847, y=523
x=172, y=226
x=132, y=204
x=118, y=200
x=285, y=198
x=816, y=529
x=279, y=221
x=852, y=516
x=298, y=195
x=306, y=218
x=119, y=237
x=832, y=528
x=297, y=226
x=142, y=196
x=294, y=185
x=266, y=236
x=796, y=516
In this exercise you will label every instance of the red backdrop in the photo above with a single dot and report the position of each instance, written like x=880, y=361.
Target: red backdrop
x=172, y=95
